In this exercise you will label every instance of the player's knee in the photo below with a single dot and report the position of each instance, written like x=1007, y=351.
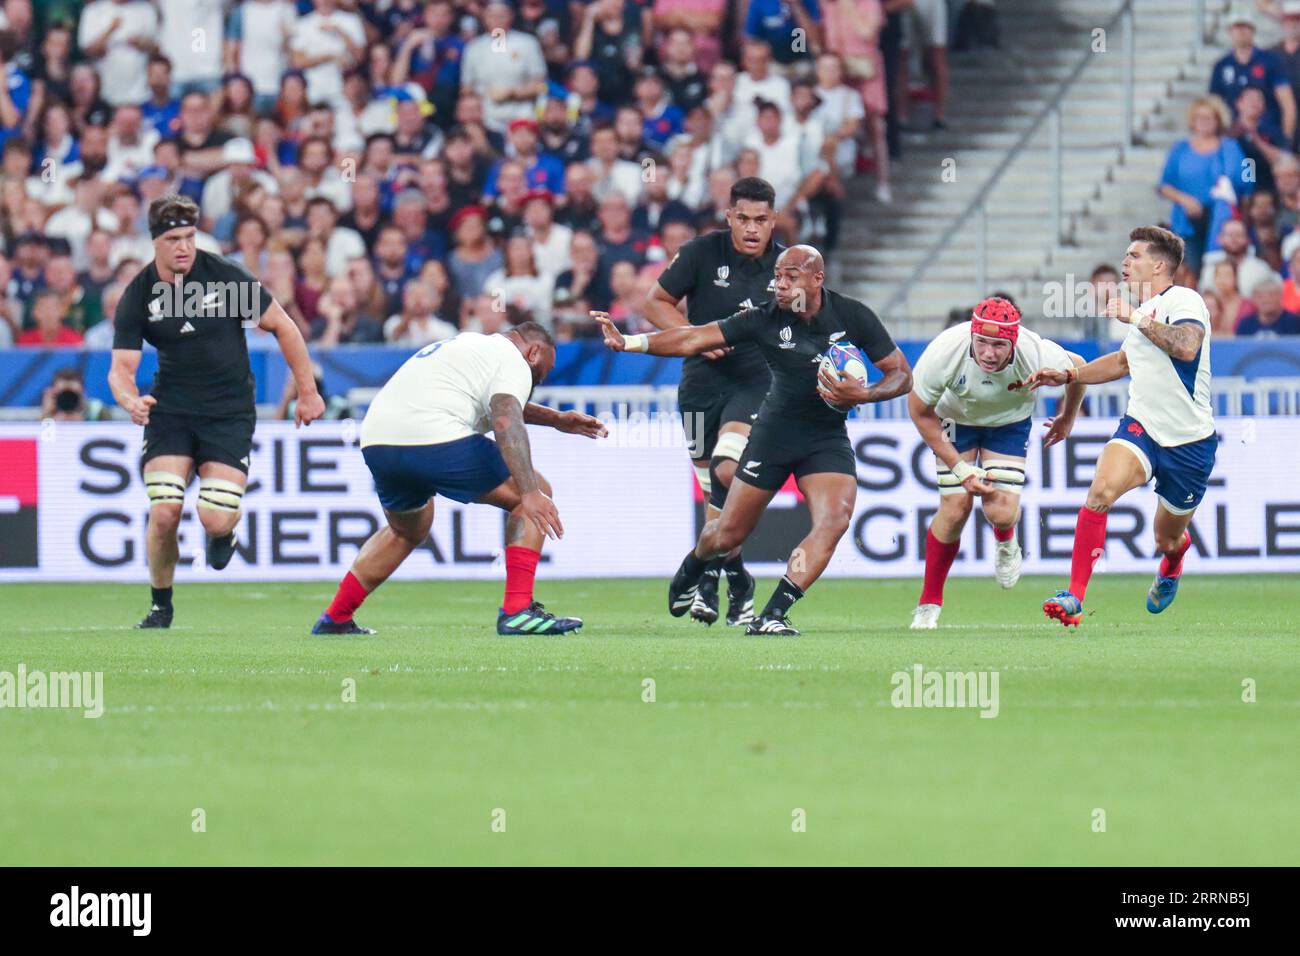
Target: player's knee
x=219, y=503
x=956, y=507
x=833, y=522
x=1167, y=544
x=1002, y=514
x=165, y=517
x=728, y=535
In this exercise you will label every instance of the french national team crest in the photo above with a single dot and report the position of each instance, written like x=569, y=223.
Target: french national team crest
x=721, y=281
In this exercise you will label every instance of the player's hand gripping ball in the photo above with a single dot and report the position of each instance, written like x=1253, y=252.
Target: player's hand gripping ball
x=847, y=359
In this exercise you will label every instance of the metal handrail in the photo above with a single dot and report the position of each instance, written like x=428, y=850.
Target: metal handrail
x=1049, y=112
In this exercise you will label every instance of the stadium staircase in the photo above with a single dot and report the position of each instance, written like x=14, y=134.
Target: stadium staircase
x=996, y=97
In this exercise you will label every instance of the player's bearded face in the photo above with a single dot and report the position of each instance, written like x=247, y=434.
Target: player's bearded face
x=991, y=354
x=175, y=249
x=751, y=226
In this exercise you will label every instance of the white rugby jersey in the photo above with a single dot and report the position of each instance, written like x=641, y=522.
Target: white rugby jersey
x=444, y=391
x=1169, y=397
x=947, y=377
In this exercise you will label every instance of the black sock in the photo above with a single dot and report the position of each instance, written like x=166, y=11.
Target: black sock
x=162, y=598
x=693, y=565
x=714, y=567
x=735, y=567
x=786, y=593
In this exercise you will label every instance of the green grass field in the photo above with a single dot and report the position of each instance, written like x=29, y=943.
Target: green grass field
x=239, y=712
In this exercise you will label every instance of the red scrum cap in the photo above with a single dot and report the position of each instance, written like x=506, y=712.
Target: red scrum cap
x=996, y=318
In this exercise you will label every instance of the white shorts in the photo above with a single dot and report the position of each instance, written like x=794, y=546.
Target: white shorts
x=928, y=20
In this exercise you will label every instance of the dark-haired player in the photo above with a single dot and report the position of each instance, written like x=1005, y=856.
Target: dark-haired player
x=423, y=435
x=192, y=306
x=796, y=432
x=1167, y=432
x=721, y=389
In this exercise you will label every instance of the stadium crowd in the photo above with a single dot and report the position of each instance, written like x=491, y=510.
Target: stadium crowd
x=1234, y=182
x=397, y=170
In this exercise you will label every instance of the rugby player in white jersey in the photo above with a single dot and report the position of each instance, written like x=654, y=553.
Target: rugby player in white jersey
x=424, y=435
x=969, y=406
x=1168, y=431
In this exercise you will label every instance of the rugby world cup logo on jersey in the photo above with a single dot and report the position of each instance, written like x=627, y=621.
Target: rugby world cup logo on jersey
x=721, y=281
x=207, y=300
x=787, y=338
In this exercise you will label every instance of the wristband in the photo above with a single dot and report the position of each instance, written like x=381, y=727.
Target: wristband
x=636, y=343
x=964, y=469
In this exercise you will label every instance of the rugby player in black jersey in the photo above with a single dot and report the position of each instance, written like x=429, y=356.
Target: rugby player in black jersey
x=797, y=431
x=722, y=388
x=192, y=306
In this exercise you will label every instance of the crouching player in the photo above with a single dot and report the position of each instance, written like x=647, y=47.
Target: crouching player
x=969, y=406
x=1167, y=432
x=424, y=435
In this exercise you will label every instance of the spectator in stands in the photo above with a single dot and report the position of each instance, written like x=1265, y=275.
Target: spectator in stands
x=341, y=321
x=30, y=254
x=417, y=324
x=467, y=169
x=661, y=118
x=686, y=85
x=629, y=127
x=371, y=298
x=541, y=170
x=1286, y=178
x=610, y=172
x=550, y=239
x=1268, y=244
x=1203, y=176
x=79, y=312
x=519, y=282
x=88, y=107
x=1290, y=288
x=656, y=209
x=15, y=91
x=393, y=266
x=255, y=39
x=11, y=308
x=1261, y=141
x=853, y=33
x=1288, y=49
x=1247, y=65
x=65, y=399
x=758, y=81
x=1234, y=246
x=52, y=71
x=579, y=208
x=581, y=288
x=1233, y=305
x=412, y=215
x=324, y=44
x=161, y=110
x=782, y=159
x=925, y=29
x=1268, y=319
x=791, y=28
x=731, y=120
x=503, y=66
x=610, y=39
x=473, y=257
x=1103, y=285
x=117, y=37
x=49, y=330
x=100, y=336
x=619, y=239
x=341, y=244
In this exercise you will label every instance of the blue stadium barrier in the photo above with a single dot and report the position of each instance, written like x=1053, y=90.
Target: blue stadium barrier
x=24, y=373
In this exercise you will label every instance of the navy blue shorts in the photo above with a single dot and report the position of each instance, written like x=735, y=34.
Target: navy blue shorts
x=1181, y=472
x=1010, y=439
x=407, y=476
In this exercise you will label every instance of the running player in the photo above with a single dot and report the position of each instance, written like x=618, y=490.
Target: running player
x=1168, y=431
x=192, y=306
x=797, y=431
x=721, y=389
x=968, y=405
x=424, y=435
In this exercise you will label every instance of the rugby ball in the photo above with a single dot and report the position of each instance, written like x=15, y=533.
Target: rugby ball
x=845, y=358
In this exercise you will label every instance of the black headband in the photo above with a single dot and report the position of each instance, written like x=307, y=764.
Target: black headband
x=166, y=225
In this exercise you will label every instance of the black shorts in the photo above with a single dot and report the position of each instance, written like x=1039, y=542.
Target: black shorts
x=775, y=452
x=702, y=418
x=228, y=440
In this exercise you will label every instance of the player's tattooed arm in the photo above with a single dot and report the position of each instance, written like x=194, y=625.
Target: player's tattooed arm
x=1108, y=368
x=1182, y=340
x=535, y=506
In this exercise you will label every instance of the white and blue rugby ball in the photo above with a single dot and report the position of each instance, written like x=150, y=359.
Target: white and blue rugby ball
x=847, y=359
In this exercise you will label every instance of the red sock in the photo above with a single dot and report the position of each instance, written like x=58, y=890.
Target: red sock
x=1004, y=534
x=938, y=561
x=1089, y=545
x=347, y=600
x=1172, y=569
x=521, y=568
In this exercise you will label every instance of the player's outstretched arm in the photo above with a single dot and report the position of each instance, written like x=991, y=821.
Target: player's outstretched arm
x=512, y=440
x=572, y=422
x=683, y=340
x=276, y=321
x=121, y=381
x=1059, y=427
x=1108, y=368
